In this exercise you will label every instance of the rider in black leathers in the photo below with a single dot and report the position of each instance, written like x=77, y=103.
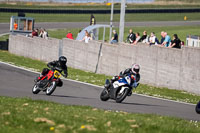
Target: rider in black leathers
x=59, y=65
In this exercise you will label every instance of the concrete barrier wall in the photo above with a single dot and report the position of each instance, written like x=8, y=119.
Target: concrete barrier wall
x=172, y=68
x=36, y=48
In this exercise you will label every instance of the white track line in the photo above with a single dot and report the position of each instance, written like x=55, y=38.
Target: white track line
x=4, y=34
x=96, y=85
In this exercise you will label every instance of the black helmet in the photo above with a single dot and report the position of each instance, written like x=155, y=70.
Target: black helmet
x=62, y=60
x=135, y=68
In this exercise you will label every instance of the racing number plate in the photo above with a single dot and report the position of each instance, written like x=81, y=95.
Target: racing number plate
x=57, y=74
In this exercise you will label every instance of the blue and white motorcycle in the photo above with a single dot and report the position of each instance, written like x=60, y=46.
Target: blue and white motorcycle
x=119, y=89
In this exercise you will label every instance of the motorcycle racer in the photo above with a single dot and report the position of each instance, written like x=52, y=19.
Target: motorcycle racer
x=59, y=65
x=134, y=71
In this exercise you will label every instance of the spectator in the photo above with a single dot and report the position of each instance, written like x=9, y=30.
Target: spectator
x=69, y=35
x=176, y=42
x=153, y=39
x=43, y=34
x=34, y=33
x=87, y=37
x=167, y=40
x=162, y=38
x=114, y=38
x=137, y=37
x=144, y=38
x=131, y=37
x=15, y=25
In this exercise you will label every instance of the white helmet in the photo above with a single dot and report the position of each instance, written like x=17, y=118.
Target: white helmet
x=135, y=68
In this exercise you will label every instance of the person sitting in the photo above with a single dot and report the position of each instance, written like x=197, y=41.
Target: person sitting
x=137, y=38
x=87, y=37
x=114, y=38
x=167, y=40
x=144, y=38
x=176, y=42
x=69, y=35
x=131, y=37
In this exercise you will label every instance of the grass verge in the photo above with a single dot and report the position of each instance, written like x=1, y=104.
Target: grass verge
x=23, y=115
x=99, y=79
x=4, y=37
x=5, y=17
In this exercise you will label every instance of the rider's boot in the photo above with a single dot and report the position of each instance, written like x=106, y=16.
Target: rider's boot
x=130, y=93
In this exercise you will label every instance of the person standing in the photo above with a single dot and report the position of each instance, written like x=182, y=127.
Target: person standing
x=114, y=38
x=137, y=37
x=176, y=42
x=144, y=38
x=15, y=25
x=153, y=39
x=131, y=37
x=167, y=40
x=69, y=35
x=86, y=37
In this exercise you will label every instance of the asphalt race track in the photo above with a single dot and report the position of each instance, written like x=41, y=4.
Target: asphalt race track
x=4, y=27
x=17, y=82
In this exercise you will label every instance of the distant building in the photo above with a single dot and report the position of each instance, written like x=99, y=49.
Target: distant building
x=193, y=41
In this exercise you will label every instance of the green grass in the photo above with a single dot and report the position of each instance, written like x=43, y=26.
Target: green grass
x=5, y=17
x=22, y=115
x=182, y=31
x=4, y=37
x=99, y=79
x=100, y=6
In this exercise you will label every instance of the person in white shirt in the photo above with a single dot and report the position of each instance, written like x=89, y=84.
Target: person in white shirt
x=87, y=37
x=152, y=39
x=43, y=34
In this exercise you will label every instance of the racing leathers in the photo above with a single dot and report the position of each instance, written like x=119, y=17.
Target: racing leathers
x=128, y=71
x=57, y=66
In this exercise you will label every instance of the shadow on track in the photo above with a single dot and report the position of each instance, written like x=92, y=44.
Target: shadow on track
x=70, y=96
x=141, y=104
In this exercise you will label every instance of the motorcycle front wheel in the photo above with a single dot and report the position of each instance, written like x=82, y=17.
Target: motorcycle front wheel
x=51, y=88
x=121, y=96
x=198, y=107
x=104, y=95
x=35, y=89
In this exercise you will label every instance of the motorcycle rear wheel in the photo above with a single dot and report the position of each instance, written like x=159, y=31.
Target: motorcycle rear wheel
x=104, y=95
x=35, y=89
x=120, y=97
x=51, y=88
x=198, y=107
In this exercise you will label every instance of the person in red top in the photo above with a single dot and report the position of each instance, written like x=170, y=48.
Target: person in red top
x=69, y=35
x=34, y=33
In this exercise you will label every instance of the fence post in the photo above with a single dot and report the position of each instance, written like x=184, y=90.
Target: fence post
x=60, y=51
